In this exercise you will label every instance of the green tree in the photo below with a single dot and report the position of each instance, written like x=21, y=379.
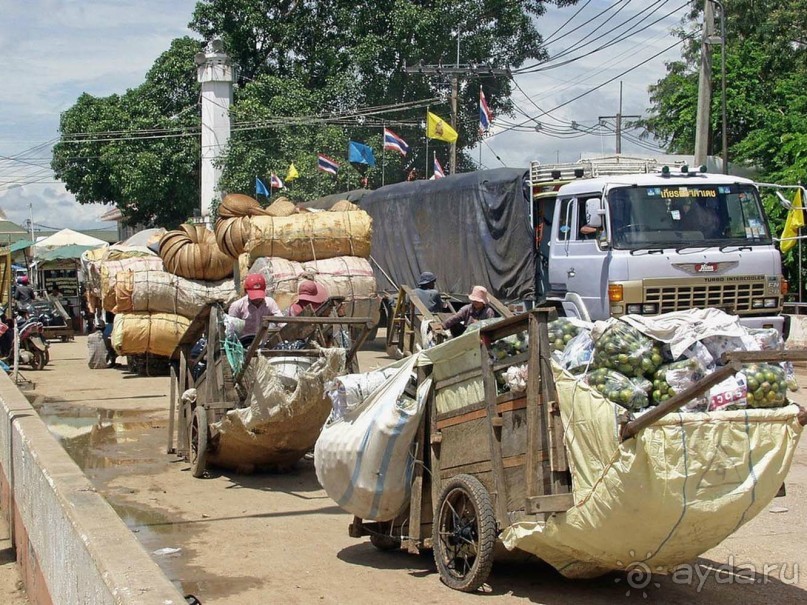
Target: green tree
x=766, y=65
x=151, y=176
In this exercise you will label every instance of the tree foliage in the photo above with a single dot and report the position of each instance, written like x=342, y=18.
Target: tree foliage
x=304, y=66
x=152, y=176
x=766, y=67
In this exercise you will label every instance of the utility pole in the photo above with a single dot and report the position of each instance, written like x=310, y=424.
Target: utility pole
x=704, y=86
x=455, y=73
x=618, y=117
x=215, y=73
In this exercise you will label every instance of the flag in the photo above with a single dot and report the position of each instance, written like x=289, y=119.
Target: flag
x=795, y=219
x=485, y=114
x=359, y=153
x=438, y=169
x=292, y=173
x=275, y=182
x=394, y=143
x=260, y=188
x=326, y=164
x=436, y=128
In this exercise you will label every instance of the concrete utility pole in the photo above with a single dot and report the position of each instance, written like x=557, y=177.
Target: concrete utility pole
x=704, y=86
x=455, y=73
x=215, y=73
x=618, y=118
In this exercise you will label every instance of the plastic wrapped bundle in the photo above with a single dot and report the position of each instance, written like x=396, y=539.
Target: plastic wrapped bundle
x=148, y=333
x=311, y=236
x=767, y=385
x=561, y=331
x=191, y=251
x=109, y=271
x=673, y=378
x=163, y=292
x=577, y=354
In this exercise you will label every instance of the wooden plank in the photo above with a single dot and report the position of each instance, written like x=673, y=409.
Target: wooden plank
x=463, y=418
x=315, y=320
x=764, y=356
x=557, y=450
x=172, y=398
x=416, y=498
x=512, y=405
x=465, y=443
x=499, y=306
x=509, y=396
x=471, y=407
x=494, y=435
x=555, y=503
x=514, y=433
x=534, y=434
x=182, y=437
x=511, y=361
x=676, y=401
x=478, y=410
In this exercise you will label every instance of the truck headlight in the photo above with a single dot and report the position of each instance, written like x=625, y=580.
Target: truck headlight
x=650, y=308
x=635, y=309
x=756, y=303
x=771, y=303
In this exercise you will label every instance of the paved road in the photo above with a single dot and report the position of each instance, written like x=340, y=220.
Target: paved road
x=279, y=538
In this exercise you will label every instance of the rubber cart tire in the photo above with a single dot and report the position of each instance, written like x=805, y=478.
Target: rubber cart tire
x=464, y=534
x=198, y=441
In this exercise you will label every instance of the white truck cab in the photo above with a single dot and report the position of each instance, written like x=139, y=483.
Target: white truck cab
x=656, y=242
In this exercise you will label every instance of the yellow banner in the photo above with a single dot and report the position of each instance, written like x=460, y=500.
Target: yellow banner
x=437, y=128
x=795, y=219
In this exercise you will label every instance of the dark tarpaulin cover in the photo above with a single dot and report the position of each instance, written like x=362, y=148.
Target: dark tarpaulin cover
x=469, y=229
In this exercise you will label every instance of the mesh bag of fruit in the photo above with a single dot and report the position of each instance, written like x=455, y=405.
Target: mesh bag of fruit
x=561, y=331
x=624, y=349
x=767, y=385
x=618, y=388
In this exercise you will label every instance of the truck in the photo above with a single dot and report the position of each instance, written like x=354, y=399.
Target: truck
x=596, y=240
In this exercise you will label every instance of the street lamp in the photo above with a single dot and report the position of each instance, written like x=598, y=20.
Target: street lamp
x=722, y=42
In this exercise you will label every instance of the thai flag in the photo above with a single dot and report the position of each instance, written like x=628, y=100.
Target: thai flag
x=394, y=143
x=485, y=114
x=326, y=164
x=275, y=182
x=438, y=169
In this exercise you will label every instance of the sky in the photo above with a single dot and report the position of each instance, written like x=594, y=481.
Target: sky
x=55, y=50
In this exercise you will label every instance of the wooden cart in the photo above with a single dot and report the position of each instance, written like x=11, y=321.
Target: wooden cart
x=409, y=313
x=485, y=465
x=220, y=388
x=494, y=462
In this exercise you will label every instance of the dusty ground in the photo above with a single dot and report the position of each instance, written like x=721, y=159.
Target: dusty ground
x=279, y=538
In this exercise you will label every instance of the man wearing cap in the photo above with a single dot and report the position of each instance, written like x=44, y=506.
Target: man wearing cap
x=309, y=294
x=477, y=310
x=427, y=293
x=253, y=307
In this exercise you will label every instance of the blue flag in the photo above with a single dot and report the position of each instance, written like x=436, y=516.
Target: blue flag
x=358, y=153
x=260, y=188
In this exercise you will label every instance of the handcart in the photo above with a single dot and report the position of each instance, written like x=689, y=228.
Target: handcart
x=491, y=464
x=408, y=319
x=228, y=376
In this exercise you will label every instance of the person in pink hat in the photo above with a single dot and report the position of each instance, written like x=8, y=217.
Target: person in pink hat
x=253, y=307
x=477, y=310
x=309, y=294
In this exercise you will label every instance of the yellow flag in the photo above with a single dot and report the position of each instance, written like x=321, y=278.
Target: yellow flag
x=292, y=173
x=436, y=128
x=795, y=219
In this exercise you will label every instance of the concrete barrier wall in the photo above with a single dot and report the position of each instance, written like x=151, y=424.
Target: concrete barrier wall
x=71, y=546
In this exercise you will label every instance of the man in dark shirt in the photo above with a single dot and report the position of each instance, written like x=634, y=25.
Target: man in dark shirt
x=24, y=293
x=477, y=310
x=427, y=293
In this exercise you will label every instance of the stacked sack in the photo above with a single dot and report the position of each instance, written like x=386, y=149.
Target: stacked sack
x=636, y=371
x=286, y=246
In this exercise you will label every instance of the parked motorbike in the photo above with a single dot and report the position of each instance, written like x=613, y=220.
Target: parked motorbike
x=34, y=348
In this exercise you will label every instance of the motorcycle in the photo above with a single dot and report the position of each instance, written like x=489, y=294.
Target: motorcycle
x=34, y=348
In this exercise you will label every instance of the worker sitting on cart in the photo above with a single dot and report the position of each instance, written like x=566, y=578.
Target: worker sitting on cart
x=310, y=295
x=427, y=293
x=253, y=307
x=477, y=310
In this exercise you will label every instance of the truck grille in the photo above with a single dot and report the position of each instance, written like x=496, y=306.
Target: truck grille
x=734, y=297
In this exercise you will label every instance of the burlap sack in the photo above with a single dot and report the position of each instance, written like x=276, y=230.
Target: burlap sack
x=152, y=333
x=111, y=268
x=282, y=206
x=311, y=236
x=343, y=206
x=163, y=292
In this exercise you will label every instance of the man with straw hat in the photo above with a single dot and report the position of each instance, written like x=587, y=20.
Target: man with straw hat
x=477, y=310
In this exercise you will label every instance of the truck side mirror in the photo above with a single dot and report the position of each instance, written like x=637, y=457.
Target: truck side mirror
x=594, y=212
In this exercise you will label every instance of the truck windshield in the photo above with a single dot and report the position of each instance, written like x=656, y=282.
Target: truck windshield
x=693, y=215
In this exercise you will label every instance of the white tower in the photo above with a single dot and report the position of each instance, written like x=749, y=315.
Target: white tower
x=215, y=73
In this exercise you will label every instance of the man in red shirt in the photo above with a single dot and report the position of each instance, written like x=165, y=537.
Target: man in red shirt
x=253, y=307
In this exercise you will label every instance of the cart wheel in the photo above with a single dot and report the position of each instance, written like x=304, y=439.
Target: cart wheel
x=464, y=534
x=38, y=360
x=198, y=438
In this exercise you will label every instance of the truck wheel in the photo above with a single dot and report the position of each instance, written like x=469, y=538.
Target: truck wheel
x=464, y=534
x=198, y=438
